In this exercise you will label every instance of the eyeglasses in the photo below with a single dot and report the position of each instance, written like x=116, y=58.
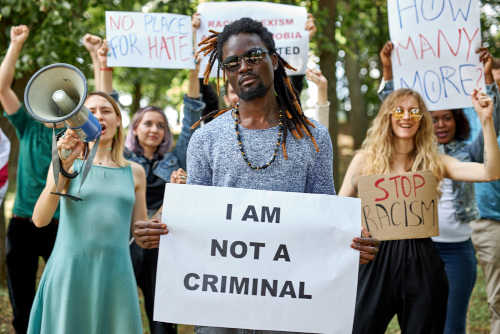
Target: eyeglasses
x=399, y=113
x=252, y=57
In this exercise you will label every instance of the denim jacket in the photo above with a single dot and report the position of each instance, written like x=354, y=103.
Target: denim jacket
x=176, y=159
x=464, y=202
x=463, y=192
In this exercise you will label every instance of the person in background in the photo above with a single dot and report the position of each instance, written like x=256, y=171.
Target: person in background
x=486, y=230
x=407, y=277
x=25, y=242
x=457, y=206
x=4, y=165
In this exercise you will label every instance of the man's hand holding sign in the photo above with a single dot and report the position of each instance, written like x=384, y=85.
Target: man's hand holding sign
x=148, y=233
x=261, y=232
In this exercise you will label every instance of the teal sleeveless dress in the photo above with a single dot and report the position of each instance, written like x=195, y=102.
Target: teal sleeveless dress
x=88, y=285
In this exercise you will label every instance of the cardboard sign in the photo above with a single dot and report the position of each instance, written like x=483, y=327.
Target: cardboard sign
x=152, y=40
x=257, y=259
x=285, y=22
x=399, y=206
x=435, y=45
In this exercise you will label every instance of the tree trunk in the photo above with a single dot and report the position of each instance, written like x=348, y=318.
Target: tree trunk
x=136, y=102
x=328, y=57
x=358, y=104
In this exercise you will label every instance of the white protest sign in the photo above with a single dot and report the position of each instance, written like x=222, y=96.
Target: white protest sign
x=435, y=45
x=257, y=259
x=285, y=22
x=152, y=40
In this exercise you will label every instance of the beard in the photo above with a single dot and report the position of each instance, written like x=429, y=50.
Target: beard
x=253, y=93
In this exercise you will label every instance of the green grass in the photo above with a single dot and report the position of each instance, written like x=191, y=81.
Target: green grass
x=478, y=322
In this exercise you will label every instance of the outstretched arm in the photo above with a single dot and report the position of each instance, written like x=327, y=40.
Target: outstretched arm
x=471, y=171
x=8, y=98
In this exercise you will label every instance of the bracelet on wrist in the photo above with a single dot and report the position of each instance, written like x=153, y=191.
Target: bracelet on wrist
x=65, y=173
x=61, y=169
x=106, y=69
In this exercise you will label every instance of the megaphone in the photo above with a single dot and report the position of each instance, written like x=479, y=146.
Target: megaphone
x=55, y=94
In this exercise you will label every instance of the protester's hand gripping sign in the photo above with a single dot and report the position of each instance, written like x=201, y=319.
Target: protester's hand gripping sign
x=152, y=40
x=285, y=22
x=257, y=259
x=434, y=50
x=399, y=206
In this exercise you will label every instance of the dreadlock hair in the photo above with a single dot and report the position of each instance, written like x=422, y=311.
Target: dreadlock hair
x=295, y=121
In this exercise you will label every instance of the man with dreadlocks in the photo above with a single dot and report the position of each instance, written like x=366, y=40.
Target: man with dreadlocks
x=265, y=142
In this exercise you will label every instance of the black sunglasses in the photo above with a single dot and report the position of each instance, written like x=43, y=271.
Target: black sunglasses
x=252, y=57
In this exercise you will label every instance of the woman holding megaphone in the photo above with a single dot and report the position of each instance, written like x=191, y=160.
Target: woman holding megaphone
x=88, y=285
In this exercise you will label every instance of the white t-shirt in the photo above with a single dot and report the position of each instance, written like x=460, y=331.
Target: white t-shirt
x=450, y=229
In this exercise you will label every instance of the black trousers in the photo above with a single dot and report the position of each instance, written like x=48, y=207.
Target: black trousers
x=406, y=278
x=145, y=262
x=25, y=244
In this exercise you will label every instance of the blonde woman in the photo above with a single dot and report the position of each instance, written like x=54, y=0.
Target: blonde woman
x=407, y=277
x=88, y=285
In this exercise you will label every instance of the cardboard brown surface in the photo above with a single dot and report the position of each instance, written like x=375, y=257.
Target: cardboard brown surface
x=399, y=206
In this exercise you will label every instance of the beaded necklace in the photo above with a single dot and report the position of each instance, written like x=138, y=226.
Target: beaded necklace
x=240, y=144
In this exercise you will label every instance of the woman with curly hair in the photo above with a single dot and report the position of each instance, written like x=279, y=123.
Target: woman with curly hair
x=407, y=277
x=457, y=206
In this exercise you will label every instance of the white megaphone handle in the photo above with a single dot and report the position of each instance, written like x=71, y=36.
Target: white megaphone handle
x=67, y=105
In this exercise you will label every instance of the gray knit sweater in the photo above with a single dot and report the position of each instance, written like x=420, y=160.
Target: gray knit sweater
x=214, y=159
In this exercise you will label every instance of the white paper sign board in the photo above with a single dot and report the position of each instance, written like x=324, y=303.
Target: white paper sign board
x=152, y=40
x=435, y=45
x=257, y=259
x=285, y=22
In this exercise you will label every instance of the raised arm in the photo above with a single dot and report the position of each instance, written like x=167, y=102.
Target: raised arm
x=193, y=108
x=92, y=44
x=471, y=171
x=194, y=83
x=310, y=26
x=322, y=107
x=106, y=72
x=8, y=98
x=387, y=85
x=385, y=59
x=476, y=148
